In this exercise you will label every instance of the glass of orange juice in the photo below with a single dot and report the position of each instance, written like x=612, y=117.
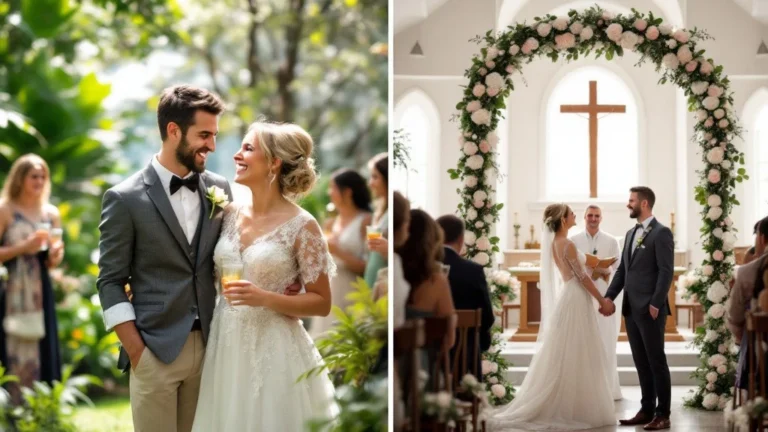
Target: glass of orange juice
x=230, y=271
x=43, y=230
x=373, y=232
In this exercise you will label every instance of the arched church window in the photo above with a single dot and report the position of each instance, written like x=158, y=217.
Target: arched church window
x=591, y=137
x=761, y=150
x=416, y=116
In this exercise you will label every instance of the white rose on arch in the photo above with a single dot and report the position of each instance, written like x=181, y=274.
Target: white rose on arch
x=475, y=162
x=715, y=155
x=483, y=243
x=714, y=213
x=714, y=200
x=469, y=238
x=474, y=106
x=614, y=32
x=701, y=114
x=629, y=40
x=716, y=293
x=561, y=23
x=716, y=311
x=699, y=87
x=479, y=196
x=670, y=61
x=710, y=103
x=471, y=214
x=586, y=33
x=481, y=117
x=684, y=54
x=493, y=139
x=470, y=148
x=576, y=28
x=494, y=80
x=470, y=181
x=711, y=336
x=543, y=29
x=483, y=259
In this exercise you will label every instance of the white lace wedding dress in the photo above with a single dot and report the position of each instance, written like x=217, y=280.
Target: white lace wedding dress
x=254, y=355
x=566, y=387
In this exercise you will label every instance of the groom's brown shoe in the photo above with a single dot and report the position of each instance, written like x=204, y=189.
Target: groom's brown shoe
x=658, y=423
x=640, y=418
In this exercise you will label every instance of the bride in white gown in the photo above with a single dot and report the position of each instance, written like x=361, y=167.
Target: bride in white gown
x=566, y=387
x=257, y=348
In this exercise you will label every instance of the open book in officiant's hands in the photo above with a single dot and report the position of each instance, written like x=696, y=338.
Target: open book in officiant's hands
x=599, y=264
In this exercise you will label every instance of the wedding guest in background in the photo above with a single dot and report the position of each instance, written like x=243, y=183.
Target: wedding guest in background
x=749, y=256
x=29, y=343
x=469, y=288
x=421, y=253
x=401, y=220
x=346, y=242
x=379, y=184
x=741, y=295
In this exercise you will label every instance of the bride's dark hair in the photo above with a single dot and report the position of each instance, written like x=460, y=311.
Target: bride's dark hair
x=554, y=214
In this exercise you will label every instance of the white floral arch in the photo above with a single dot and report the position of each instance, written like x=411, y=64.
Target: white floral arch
x=676, y=56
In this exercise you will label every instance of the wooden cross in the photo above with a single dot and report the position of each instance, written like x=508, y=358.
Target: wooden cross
x=593, y=109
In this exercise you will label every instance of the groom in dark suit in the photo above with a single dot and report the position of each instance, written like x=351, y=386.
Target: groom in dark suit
x=645, y=273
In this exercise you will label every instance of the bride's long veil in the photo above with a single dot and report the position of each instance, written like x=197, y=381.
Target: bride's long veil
x=550, y=282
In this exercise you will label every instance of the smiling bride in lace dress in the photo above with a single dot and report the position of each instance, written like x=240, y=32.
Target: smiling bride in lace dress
x=257, y=347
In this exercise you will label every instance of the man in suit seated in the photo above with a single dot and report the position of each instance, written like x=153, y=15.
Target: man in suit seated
x=469, y=288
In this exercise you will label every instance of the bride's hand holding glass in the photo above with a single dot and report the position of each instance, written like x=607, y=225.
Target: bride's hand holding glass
x=245, y=293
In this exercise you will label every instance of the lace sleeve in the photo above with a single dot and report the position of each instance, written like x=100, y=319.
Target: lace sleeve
x=572, y=259
x=312, y=254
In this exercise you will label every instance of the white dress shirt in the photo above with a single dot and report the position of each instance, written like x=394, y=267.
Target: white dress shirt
x=639, y=233
x=602, y=245
x=186, y=206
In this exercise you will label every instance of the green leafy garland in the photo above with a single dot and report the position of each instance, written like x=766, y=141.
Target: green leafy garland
x=675, y=55
x=503, y=287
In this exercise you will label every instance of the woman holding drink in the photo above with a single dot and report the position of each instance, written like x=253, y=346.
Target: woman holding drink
x=377, y=232
x=30, y=244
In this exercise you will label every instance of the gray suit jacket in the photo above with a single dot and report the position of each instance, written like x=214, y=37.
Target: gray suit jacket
x=142, y=243
x=646, y=276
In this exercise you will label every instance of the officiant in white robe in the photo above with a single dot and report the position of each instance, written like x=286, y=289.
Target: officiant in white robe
x=599, y=243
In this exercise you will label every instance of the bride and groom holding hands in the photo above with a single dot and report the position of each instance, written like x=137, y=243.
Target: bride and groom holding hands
x=198, y=361
x=572, y=358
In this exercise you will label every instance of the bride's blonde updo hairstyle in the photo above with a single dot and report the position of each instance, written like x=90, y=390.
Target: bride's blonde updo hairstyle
x=292, y=145
x=554, y=215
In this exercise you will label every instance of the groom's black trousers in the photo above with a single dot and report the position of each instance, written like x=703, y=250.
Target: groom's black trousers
x=646, y=338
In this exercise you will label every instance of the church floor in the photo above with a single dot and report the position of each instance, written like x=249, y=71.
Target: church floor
x=683, y=419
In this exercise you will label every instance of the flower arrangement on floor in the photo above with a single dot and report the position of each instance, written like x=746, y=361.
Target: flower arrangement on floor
x=503, y=288
x=597, y=32
x=718, y=353
x=740, y=417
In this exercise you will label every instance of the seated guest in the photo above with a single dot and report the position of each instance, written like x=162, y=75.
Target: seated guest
x=741, y=295
x=469, y=288
x=430, y=294
x=750, y=255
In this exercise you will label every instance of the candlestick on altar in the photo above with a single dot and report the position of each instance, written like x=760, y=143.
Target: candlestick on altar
x=515, y=218
x=672, y=225
x=516, y=226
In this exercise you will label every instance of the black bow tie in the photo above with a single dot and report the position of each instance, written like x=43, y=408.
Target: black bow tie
x=191, y=182
x=638, y=226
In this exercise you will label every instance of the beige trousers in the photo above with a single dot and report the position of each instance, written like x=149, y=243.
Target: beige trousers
x=164, y=396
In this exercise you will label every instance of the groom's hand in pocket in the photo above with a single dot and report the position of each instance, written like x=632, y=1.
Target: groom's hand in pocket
x=654, y=312
x=132, y=342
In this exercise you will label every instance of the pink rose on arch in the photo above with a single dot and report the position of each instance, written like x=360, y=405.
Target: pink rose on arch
x=478, y=90
x=641, y=24
x=484, y=146
x=706, y=68
x=682, y=36
x=718, y=255
x=491, y=64
x=488, y=204
x=709, y=123
x=713, y=176
x=482, y=71
x=652, y=33
x=691, y=66
x=510, y=69
x=478, y=204
x=473, y=106
x=565, y=41
x=723, y=123
x=492, y=92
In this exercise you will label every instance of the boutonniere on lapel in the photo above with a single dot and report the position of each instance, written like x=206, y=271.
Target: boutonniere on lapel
x=217, y=197
x=642, y=237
